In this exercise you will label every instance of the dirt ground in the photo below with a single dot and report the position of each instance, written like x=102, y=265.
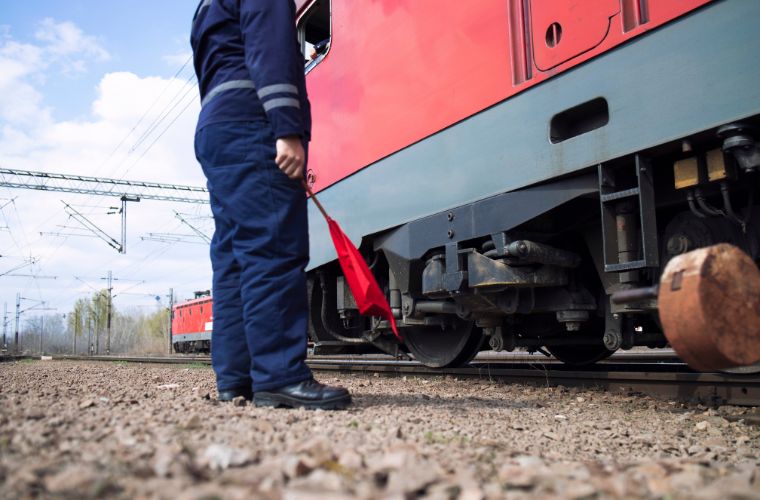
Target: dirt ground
x=115, y=430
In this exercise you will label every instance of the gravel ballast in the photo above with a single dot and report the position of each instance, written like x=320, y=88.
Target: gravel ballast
x=85, y=430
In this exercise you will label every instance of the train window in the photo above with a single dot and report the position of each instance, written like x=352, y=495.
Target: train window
x=314, y=33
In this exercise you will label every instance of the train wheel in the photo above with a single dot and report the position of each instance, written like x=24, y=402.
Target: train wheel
x=580, y=355
x=437, y=348
x=743, y=370
x=573, y=355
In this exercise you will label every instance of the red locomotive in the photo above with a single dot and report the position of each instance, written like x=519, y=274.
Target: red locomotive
x=192, y=324
x=508, y=166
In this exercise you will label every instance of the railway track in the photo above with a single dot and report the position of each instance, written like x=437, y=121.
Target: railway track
x=658, y=374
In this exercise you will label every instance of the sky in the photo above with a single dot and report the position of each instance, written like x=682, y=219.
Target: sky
x=101, y=89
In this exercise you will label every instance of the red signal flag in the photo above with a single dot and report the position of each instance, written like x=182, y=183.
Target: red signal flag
x=369, y=298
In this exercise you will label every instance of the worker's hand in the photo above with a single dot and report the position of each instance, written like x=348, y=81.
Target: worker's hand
x=290, y=157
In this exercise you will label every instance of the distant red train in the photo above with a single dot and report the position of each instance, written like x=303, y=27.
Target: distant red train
x=192, y=324
x=507, y=166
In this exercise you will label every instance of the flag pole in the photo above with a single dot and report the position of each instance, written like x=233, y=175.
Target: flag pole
x=316, y=201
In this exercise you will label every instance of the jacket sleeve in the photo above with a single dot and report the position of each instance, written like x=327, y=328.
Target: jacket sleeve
x=274, y=62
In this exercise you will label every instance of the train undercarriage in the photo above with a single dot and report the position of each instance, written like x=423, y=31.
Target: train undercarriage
x=194, y=346
x=538, y=268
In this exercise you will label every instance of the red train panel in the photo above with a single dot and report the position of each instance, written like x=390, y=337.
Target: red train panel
x=192, y=317
x=448, y=61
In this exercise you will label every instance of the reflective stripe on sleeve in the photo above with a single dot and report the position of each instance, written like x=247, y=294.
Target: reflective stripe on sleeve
x=282, y=102
x=280, y=88
x=222, y=87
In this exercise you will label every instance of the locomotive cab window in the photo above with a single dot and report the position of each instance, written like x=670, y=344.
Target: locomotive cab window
x=314, y=33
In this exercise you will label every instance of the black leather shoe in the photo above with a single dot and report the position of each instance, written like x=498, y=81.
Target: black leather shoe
x=308, y=394
x=226, y=396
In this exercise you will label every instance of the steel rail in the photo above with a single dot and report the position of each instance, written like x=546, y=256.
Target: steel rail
x=632, y=373
x=653, y=356
x=663, y=380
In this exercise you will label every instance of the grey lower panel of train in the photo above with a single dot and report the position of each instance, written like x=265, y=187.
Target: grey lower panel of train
x=694, y=74
x=191, y=337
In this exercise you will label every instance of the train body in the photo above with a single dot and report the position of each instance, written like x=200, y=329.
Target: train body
x=399, y=71
x=192, y=323
x=506, y=166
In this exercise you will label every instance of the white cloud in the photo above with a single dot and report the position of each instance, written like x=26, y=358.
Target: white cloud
x=31, y=139
x=20, y=66
x=67, y=45
x=25, y=66
x=19, y=60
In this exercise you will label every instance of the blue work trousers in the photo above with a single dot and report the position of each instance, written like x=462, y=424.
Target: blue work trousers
x=259, y=253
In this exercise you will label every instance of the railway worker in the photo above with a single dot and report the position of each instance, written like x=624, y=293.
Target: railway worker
x=251, y=140
x=320, y=49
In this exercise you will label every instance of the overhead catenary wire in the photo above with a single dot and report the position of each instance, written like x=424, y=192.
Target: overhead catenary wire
x=187, y=87
x=142, y=118
x=166, y=129
x=11, y=233
x=160, y=116
x=178, y=98
x=166, y=112
x=153, y=129
x=134, y=268
x=145, y=114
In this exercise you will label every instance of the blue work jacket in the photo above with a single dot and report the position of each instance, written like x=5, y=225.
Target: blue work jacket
x=249, y=65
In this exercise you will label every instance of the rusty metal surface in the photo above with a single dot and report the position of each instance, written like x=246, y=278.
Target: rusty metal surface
x=709, y=306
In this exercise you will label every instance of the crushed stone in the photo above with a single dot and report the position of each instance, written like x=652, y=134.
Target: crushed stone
x=88, y=430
